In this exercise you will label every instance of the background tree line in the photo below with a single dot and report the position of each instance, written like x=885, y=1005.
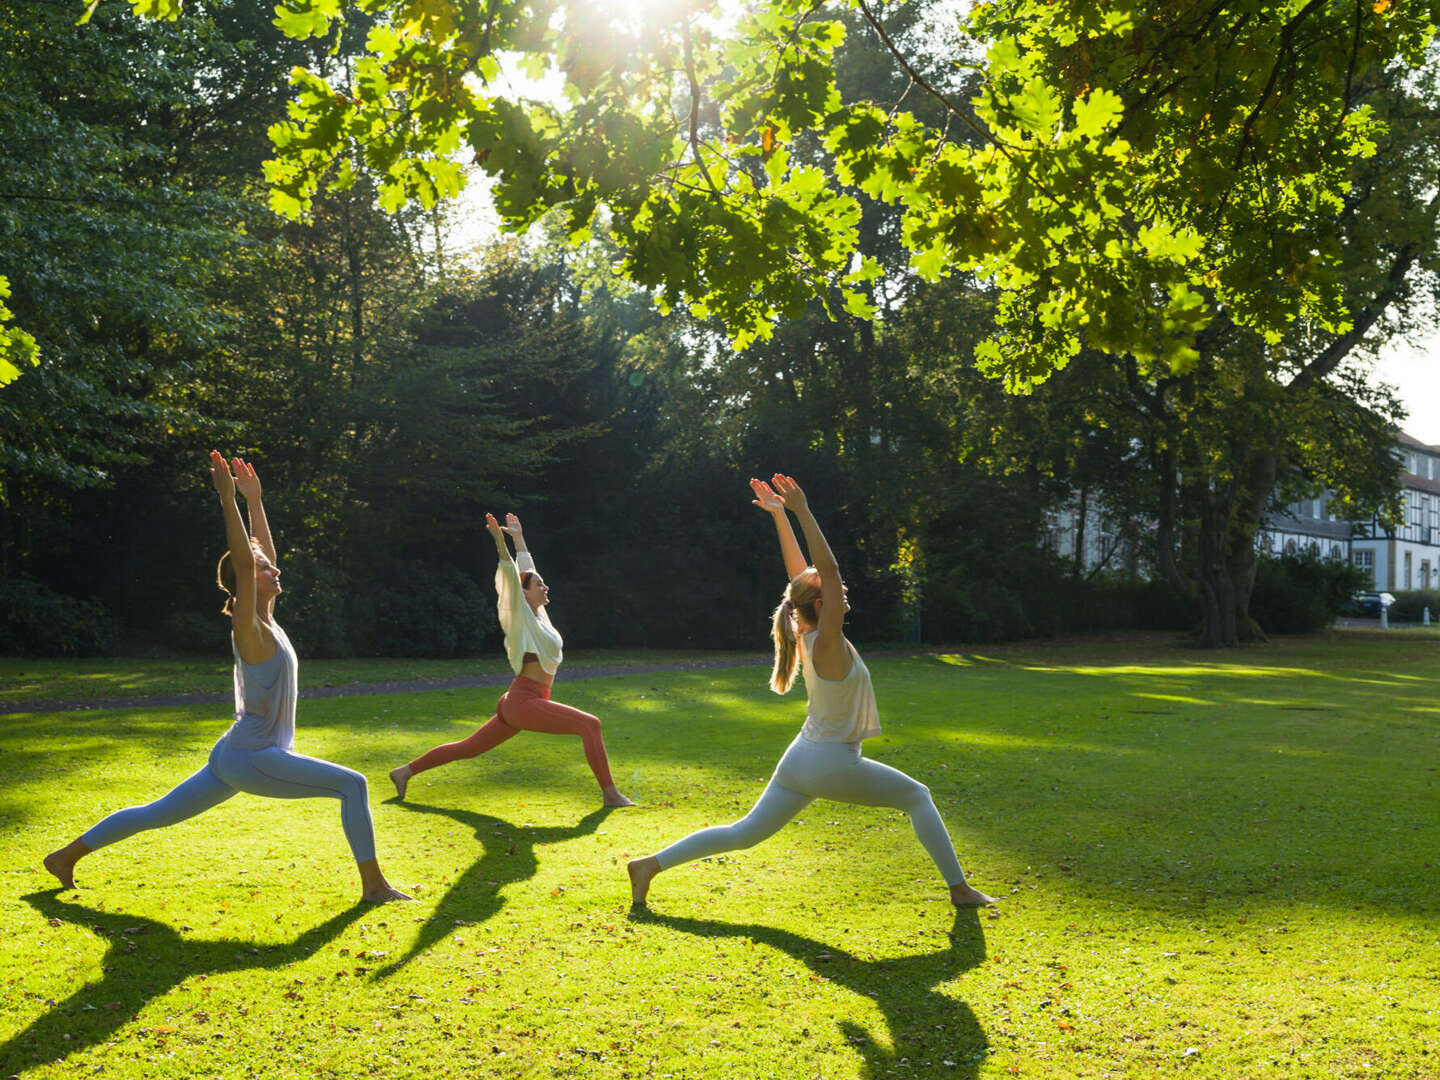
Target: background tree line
x=391, y=391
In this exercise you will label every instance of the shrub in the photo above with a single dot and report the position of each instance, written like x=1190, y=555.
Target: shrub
x=1410, y=605
x=35, y=620
x=197, y=631
x=432, y=611
x=316, y=607
x=1299, y=594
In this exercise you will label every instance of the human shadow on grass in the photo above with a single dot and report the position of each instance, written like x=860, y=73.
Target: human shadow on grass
x=146, y=960
x=927, y=1028
x=509, y=857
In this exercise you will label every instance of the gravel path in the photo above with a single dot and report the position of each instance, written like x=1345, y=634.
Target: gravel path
x=465, y=682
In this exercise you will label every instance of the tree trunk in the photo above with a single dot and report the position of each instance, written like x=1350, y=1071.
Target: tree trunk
x=1244, y=560
x=1212, y=569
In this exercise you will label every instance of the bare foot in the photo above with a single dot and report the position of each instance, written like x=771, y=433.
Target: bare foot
x=614, y=798
x=384, y=895
x=62, y=866
x=400, y=777
x=641, y=873
x=963, y=895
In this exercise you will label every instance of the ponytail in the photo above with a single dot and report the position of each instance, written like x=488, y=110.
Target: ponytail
x=225, y=582
x=800, y=596
x=782, y=632
x=225, y=578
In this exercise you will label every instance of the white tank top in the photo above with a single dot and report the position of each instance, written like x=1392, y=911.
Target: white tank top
x=839, y=710
x=265, y=698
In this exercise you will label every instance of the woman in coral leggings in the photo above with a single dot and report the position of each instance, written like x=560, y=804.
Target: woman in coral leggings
x=824, y=761
x=255, y=755
x=535, y=649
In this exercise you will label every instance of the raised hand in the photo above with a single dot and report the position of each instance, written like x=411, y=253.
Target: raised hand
x=789, y=492
x=497, y=533
x=765, y=497
x=512, y=526
x=220, y=475
x=246, y=482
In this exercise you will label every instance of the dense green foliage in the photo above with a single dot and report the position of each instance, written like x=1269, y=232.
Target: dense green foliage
x=803, y=184
x=1299, y=594
x=37, y=621
x=1410, y=605
x=1119, y=171
x=1161, y=825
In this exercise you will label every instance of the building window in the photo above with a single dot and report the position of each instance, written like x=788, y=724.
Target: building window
x=1409, y=582
x=1366, y=561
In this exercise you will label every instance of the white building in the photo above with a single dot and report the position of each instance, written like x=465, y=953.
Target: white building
x=1407, y=557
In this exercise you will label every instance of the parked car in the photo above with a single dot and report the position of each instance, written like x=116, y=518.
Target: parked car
x=1367, y=605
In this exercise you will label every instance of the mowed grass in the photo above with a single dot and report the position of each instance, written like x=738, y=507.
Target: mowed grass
x=1212, y=865
x=30, y=680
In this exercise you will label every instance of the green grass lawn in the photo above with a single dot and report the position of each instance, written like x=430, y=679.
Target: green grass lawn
x=97, y=679
x=1212, y=865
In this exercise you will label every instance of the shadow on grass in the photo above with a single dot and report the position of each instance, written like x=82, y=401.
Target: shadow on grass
x=927, y=1028
x=509, y=858
x=146, y=960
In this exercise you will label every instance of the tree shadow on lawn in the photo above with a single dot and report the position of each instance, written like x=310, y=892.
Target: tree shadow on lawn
x=146, y=960
x=509, y=858
x=927, y=1028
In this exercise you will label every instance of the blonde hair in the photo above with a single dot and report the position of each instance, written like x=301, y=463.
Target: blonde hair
x=800, y=596
x=225, y=577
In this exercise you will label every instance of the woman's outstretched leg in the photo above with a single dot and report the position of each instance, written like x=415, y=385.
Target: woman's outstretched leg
x=873, y=783
x=776, y=806
x=553, y=718
x=485, y=738
x=192, y=796
x=284, y=774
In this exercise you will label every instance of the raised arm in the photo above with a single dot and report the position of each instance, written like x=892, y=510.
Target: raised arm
x=248, y=484
x=829, y=655
x=498, y=535
x=516, y=532
x=772, y=504
x=242, y=613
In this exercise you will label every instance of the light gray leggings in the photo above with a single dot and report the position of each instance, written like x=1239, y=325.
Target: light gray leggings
x=272, y=772
x=824, y=770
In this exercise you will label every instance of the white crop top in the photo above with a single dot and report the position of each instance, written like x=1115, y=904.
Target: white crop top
x=525, y=630
x=839, y=710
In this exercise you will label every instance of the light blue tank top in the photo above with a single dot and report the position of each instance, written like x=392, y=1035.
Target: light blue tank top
x=265, y=698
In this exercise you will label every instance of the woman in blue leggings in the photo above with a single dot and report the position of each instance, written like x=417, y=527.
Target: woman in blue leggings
x=255, y=755
x=824, y=761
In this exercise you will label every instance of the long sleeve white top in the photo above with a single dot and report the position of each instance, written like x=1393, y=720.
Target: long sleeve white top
x=526, y=631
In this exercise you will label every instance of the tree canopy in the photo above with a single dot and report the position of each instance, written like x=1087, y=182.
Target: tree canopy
x=1120, y=172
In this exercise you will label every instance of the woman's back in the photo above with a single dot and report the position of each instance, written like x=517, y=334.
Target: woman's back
x=839, y=710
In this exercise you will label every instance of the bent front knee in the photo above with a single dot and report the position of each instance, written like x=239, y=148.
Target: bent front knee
x=353, y=785
x=919, y=796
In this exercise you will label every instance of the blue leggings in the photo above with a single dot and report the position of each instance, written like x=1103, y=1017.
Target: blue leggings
x=817, y=770
x=272, y=772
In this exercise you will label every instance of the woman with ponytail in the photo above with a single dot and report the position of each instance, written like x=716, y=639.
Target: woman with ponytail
x=824, y=761
x=255, y=755
x=535, y=649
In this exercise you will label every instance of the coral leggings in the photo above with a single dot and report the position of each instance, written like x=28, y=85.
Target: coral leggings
x=526, y=706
